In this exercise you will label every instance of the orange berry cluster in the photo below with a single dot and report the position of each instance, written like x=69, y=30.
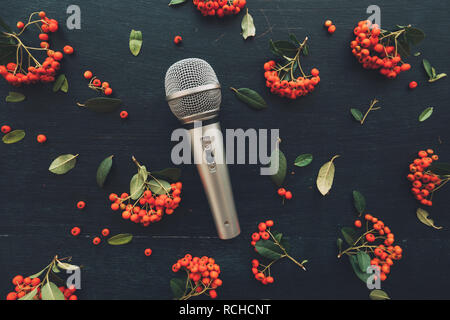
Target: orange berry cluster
x=203, y=272
x=373, y=54
x=292, y=89
x=96, y=84
x=261, y=272
x=219, y=8
x=16, y=74
x=385, y=253
x=149, y=208
x=285, y=194
x=424, y=182
x=26, y=285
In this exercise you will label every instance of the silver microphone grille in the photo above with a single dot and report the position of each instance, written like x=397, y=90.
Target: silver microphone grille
x=192, y=90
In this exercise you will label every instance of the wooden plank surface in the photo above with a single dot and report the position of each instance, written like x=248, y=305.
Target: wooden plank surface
x=38, y=208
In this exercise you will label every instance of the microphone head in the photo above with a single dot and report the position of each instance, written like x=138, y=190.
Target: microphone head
x=192, y=90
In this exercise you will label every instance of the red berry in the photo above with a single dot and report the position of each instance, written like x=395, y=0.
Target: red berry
x=41, y=138
x=177, y=40
x=108, y=91
x=68, y=50
x=124, y=114
x=6, y=129
x=57, y=56
x=81, y=205
x=332, y=29
x=288, y=195
x=413, y=85
x=88, y=74
x=358, y=223
x=75, y=231
x=96, y=241
x=105, y=232
x=20, y=25
x=148, y=252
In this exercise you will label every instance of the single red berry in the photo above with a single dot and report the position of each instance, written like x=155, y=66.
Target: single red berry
x=358, y=223
x=328, y=23
x=108, y=91
x=105, y=232
x=288, y=195
x=57, y=55
x=41, y=138
x=124, y=114
x=20, y=25
x=88, y=74
x=332, y=29
x=281, y=192
x=177, y=39
x=148, y=252
x=68, y=50
x=413, y=85
x=6, y=129
x=42, y=14
x=81, y=205
x=75, y=231
x=96, y=241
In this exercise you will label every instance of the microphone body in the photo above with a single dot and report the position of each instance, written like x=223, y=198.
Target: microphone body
x=208, y=151
x=193, y=93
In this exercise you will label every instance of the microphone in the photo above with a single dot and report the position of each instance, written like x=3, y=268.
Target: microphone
x=193, y=94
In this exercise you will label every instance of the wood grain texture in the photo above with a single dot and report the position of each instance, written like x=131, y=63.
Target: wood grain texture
x=38, y=208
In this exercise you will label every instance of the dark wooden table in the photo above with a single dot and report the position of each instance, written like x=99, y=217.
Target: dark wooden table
x=38, y=208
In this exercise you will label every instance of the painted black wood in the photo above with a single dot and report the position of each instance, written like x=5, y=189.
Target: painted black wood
x=38, y=208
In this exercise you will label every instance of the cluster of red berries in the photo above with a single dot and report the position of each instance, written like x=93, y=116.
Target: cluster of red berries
x=285, y=194
x=220, y=8
x=203, y=272
x=424, y=182
x=96, y=84
x=373, y=54
x=26, y=285
x=385, y=253
x=292, y=89
x=149, y=208
x=16, y=74
x=331, y=28
x=260, y=271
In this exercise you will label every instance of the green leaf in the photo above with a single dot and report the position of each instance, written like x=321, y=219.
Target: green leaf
x=15, y=97
x=248, y=27
x=137, y=184
x=103, y=170
x=65, y=86
x=414, y=36
x=357, y=114
x=175, y=2
x=423, y=216
x=325, y=177
x=359, y=201
x=278, y=178
x=63, y=164
x=303, y=160
x=363, y=261
x=428, y=68
x=59, y=82
x=30, y=295
x=349, y=235
x=268, y=249
x=51, y=292
x=67, y=266
x=178, y=287
x=403, y=46
x=283, y=48
x=250, y=97
x=339, y=242
x=36, y=274
x=305, y=50
x=172, y=174
x=102, y=105
x=13, y=136
x=363, y=276
x=440, y=168
x=135, y=42
x=120, y=239
x=294, y=39
x=283, y=242
x=159, y=187
x=378, y=295
x=426, y=114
